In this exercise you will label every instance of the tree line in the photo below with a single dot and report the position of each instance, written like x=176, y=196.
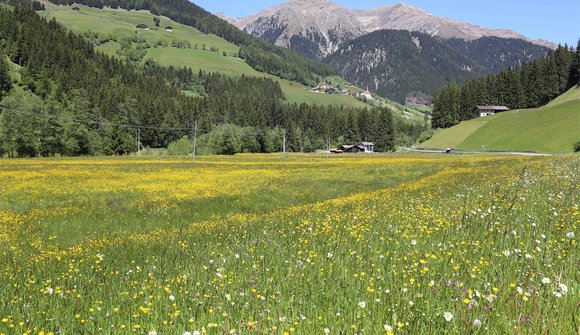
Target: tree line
x=532, y=85
x=259, y=54
x=70, y=100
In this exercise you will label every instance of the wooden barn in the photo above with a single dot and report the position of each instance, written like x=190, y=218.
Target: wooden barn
x=348, y=148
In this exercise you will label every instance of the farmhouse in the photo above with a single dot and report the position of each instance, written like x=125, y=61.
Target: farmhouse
x=142, y=26
x=369, y=146
x=323, y=88
x=348, y=148
x=481, y=111
x=76, y=9
x=169, y=29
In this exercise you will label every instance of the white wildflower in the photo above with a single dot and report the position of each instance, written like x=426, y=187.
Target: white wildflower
x=546, y=280
x=448, y=316
x=362, y=304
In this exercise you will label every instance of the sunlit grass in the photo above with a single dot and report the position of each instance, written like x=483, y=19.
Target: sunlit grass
x=270, y=244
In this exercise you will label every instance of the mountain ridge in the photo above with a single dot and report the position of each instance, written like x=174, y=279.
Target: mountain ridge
x=322, y=20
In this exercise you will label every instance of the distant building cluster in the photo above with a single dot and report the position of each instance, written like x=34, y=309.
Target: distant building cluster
x=143, y=26
x=323, y=88
x=363, y=147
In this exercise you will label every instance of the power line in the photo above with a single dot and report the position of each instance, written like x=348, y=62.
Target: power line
x=106, y=123
x=137, y=127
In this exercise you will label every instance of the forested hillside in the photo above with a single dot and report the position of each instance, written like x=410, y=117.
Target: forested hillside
x=400, y=64
x=533, y=85
x=63, y=98
x=494, y=54
x=257, y=53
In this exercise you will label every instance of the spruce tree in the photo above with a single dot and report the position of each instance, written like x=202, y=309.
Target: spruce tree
x=386, y=133
x=574, y=76
x=5, y=83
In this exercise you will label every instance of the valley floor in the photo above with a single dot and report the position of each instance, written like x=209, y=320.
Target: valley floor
x=290, y=244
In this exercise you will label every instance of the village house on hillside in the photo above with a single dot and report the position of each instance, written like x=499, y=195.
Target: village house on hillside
x=142, y=26
x=366, y=94
x=169, y=29
x=481, y=111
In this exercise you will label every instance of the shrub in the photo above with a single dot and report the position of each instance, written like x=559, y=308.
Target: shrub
x=181, y=147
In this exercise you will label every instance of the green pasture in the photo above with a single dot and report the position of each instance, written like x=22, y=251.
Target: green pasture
x=290, y=244
x=553, y=128
x=119, y=23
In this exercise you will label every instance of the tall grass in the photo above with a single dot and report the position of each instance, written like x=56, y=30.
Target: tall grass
x=290, y=245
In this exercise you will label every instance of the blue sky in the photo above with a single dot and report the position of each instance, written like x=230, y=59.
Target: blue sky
x=555, y=20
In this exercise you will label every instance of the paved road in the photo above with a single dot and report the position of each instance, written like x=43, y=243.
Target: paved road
x=521, y=153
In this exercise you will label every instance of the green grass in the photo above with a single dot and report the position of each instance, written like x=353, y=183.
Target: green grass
x=421, y=108
x=119, y=23
x=550, y=129
x=198, y=59
x=298, y=93
x=571, y=95
x=109, y=48
x=452, y=137
x=289, y=244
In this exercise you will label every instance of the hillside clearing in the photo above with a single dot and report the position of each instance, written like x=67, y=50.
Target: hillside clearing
x=204, y=52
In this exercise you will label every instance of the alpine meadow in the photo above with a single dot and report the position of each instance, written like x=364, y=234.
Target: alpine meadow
x=309, y=169
x=274, y=244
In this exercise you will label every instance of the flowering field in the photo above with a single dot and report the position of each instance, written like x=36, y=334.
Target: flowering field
x=299, y=244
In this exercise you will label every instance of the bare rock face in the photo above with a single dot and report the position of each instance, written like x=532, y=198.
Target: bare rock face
x=318, y=28
x=315, y=28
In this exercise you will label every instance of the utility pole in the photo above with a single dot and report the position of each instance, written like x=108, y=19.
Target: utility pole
x=194, y=139
x=284, y=142
x=138, y=141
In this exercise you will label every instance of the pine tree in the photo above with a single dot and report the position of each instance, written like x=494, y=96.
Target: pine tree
x=446, y=108
x=574, y=76
x=5, y=83
x=386, y=134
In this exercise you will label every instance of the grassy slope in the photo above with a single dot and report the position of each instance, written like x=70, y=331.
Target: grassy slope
x=551, y=129
x=120, y=23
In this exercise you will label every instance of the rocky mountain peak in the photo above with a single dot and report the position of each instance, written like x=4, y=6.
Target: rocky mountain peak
x=322, y=25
